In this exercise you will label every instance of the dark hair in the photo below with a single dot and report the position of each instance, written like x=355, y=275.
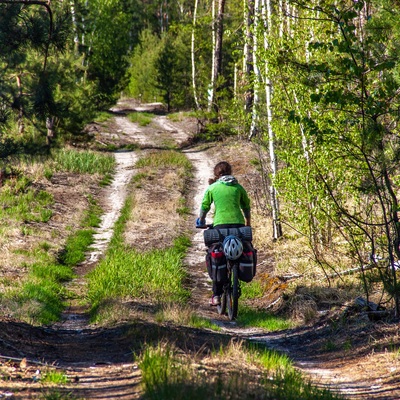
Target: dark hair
x=221, y=169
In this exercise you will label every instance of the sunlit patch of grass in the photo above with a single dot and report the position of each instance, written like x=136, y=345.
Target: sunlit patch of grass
x=53, y=394
x=76, y=246
x=141, y=118
x=102, y=116
x=92, y=216
x=183, y=315
x=180, y=116
x=22, y=202
x=84, y=162
x=156, y=275
x=263, y=374
x=55, y=377
x=203, y=323
x=163, y=159
x=252, y=290
x=261, y=319
x=106, y=180
x=38, y=302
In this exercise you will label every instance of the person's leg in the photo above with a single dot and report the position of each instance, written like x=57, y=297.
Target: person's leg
x=217, y=289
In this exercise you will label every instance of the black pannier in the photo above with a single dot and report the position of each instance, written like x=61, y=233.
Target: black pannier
x=247, y=263
x=217, y=235
x=216, y=263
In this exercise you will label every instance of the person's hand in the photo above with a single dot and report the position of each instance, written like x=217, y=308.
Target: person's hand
x=200, y=222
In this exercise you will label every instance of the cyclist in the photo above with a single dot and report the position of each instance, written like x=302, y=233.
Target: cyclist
x=232, y=208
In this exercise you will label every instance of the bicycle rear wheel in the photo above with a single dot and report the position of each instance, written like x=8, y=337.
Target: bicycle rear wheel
x=221, y=308
x=232, y=295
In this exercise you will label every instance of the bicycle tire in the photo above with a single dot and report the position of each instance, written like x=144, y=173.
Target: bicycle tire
x=232, y=294
x=233, y=300
x=221, y=308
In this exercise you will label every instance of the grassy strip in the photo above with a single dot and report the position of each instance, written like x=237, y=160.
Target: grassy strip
x=168, y=158
x=250, y=317
x=21, y=202
x=83, y=162
x=165, y=375
x=40, y=298
x=156, y=275
x=141, y=118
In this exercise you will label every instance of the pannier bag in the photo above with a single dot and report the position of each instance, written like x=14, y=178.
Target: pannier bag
x=217, y=235
x=216, y=263
x=247, y=263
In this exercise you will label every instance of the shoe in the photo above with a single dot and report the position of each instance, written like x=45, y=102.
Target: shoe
x=215, y=301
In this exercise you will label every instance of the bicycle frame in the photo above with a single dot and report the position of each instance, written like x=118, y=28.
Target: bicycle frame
x=231, y=289
x=230, y=297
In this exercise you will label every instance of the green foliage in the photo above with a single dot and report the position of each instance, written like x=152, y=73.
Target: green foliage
x=110, y=44
x=160, y=68
x=142, y=73
x=173, y=69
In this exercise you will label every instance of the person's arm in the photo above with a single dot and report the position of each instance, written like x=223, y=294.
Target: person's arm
x=247, y=217
x=202, y=216
x=245, y=204
x=205, y=207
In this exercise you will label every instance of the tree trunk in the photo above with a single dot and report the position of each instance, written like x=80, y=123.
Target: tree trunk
x=248, y=18
x=217, y=58
x=210, y=93
x=257, y=73
x=192, y=56
x=21, y=124
x=277, y=226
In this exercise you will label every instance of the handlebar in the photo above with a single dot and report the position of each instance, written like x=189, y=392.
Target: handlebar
x=206, y=226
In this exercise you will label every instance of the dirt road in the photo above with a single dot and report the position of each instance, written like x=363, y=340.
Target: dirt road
x=99, y=361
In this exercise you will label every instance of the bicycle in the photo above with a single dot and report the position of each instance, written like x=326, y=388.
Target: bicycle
x=231, y=288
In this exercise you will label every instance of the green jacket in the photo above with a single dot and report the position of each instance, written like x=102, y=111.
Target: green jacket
x=229, y=198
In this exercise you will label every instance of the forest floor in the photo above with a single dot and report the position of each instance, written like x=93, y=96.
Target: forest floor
x=340, y=348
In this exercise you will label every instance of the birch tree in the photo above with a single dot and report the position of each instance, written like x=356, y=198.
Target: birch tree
x=217, y=32
x=192, y=53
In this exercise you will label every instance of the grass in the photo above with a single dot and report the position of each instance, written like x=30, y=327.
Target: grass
x=250, y=317
x=165, y=159
x=141, y=118
x=180, y=116
x=167, y=375
x=155, y=275
x=54, y=377
x=22, y=202
x=183, y=315
x=39, y=298
x=83, y=162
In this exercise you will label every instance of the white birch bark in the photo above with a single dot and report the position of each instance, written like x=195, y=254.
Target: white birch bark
x=210, y=94
x=276, y=224
x=74, y=26
x=217, y=59
x=248, y=17
x=192, y=56
x=257, y=74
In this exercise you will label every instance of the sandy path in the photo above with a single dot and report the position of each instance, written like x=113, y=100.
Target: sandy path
x=116, y=195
